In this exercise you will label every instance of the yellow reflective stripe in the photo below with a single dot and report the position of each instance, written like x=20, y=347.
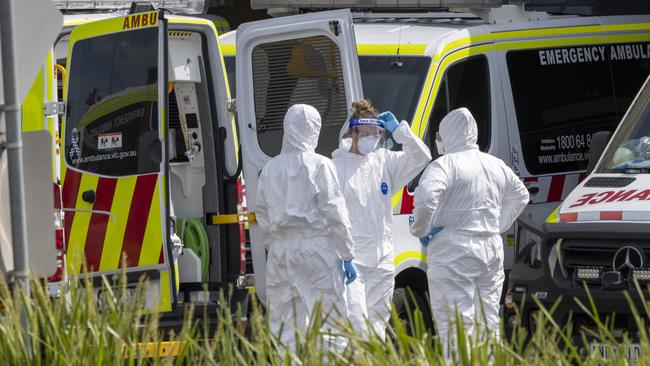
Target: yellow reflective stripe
x=391, y=49
x=228, y=49
x=153, y=240
x=409, y=254
x=425, y=98
x=109, y=25
x=112, y=250
x=397, y=198
x=572, y=41
x=546, y=32
x=225, y=219
x=453, y=57
x=165, y=292
x=553, y=218
x=176, y=20
x=459, y=43
x=32, y=108
x=626, y=27
x=77, y=236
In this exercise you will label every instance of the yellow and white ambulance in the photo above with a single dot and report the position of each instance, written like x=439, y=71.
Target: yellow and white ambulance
x=539, y=85
x=150, y=151
x=596, y=240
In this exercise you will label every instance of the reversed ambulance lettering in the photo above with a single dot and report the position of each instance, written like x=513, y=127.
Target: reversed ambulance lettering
x=612, y=196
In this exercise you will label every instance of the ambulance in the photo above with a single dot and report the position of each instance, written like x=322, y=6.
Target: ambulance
x=597, y=239
x=150, y=151
x=538, y=85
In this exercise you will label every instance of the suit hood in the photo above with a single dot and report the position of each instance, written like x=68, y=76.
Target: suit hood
x=458, y=131
x=301, y=128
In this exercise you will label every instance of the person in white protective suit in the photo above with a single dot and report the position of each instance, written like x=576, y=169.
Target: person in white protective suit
x=465, y=200
x=369, y=177
x=303, y=216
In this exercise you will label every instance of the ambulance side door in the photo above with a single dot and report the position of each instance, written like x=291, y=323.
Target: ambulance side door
x=308, y=59
x=114, y=170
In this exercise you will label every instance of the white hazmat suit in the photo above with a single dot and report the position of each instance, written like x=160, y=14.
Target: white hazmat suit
x=369, y=183
x=302, y=213
x=475, y=197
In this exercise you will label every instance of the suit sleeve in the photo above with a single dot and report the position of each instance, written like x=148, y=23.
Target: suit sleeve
x=331, y=202
x=515, y=199
x=405, y=165
x=433, y=184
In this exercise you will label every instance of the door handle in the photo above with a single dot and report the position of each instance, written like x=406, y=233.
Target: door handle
x=89, y=196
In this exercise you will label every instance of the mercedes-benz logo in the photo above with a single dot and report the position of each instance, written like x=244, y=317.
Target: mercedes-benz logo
x=628, y=258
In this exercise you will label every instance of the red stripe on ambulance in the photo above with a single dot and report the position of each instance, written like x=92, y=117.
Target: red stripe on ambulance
x=69, y=197
x=99, y=222
x=138, y=215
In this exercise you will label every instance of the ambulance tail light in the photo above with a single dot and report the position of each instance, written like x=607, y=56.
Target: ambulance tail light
x=59, y=237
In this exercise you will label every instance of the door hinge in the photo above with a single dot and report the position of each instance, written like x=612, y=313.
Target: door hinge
x=227, y=219
x=335, y=27
x=232, y=105
x=53, y=109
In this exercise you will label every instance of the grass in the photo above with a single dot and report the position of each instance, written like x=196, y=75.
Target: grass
x=71, y=330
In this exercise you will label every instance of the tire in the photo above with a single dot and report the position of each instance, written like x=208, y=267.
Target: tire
x=406, y=302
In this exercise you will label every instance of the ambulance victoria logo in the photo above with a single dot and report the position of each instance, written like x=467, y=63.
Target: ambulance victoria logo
x=628, y=258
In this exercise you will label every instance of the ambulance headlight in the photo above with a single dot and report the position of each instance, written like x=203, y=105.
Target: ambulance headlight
x=641, y=275
x=590, y=275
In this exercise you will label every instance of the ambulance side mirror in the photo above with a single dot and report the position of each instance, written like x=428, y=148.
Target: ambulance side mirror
x=599, y=142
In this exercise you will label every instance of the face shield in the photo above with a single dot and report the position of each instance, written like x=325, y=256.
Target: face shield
x=371, y=135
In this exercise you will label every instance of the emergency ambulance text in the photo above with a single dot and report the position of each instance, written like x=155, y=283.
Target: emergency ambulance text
x=612, y=196
x=575, y=55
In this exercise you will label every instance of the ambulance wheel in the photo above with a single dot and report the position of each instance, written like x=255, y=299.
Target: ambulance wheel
x=410, y=306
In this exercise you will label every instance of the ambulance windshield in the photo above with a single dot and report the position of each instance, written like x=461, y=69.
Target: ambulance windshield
x=629, y=151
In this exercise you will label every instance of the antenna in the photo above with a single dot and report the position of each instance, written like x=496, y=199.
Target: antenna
x=398, y=64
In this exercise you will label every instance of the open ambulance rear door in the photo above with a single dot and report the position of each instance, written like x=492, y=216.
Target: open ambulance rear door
x=308, y=59
x=114, y=175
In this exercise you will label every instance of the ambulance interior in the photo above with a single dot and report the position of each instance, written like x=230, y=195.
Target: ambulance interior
x=193, y=176
x=629, y=151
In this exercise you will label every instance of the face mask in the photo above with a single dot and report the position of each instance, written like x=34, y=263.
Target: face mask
x=368, y=144
x=439, y=146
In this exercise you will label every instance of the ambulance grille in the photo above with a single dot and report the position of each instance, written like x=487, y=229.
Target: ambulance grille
x=609, y=182
x=595, y=253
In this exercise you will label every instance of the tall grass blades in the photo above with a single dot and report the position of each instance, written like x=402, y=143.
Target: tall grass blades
x=82, y=328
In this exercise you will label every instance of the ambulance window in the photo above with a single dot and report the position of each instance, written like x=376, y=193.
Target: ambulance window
x=306, y=70
x=111, y=116
x=561, y=97
x=465, y=84
x=628, y=73
x=394, y=84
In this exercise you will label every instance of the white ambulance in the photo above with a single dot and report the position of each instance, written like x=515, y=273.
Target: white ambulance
x=599, y=237
x=539, y=85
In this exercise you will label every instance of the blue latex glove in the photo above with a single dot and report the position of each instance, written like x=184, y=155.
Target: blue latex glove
x=433, y=231
x=388, y=121
x=350, y=272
